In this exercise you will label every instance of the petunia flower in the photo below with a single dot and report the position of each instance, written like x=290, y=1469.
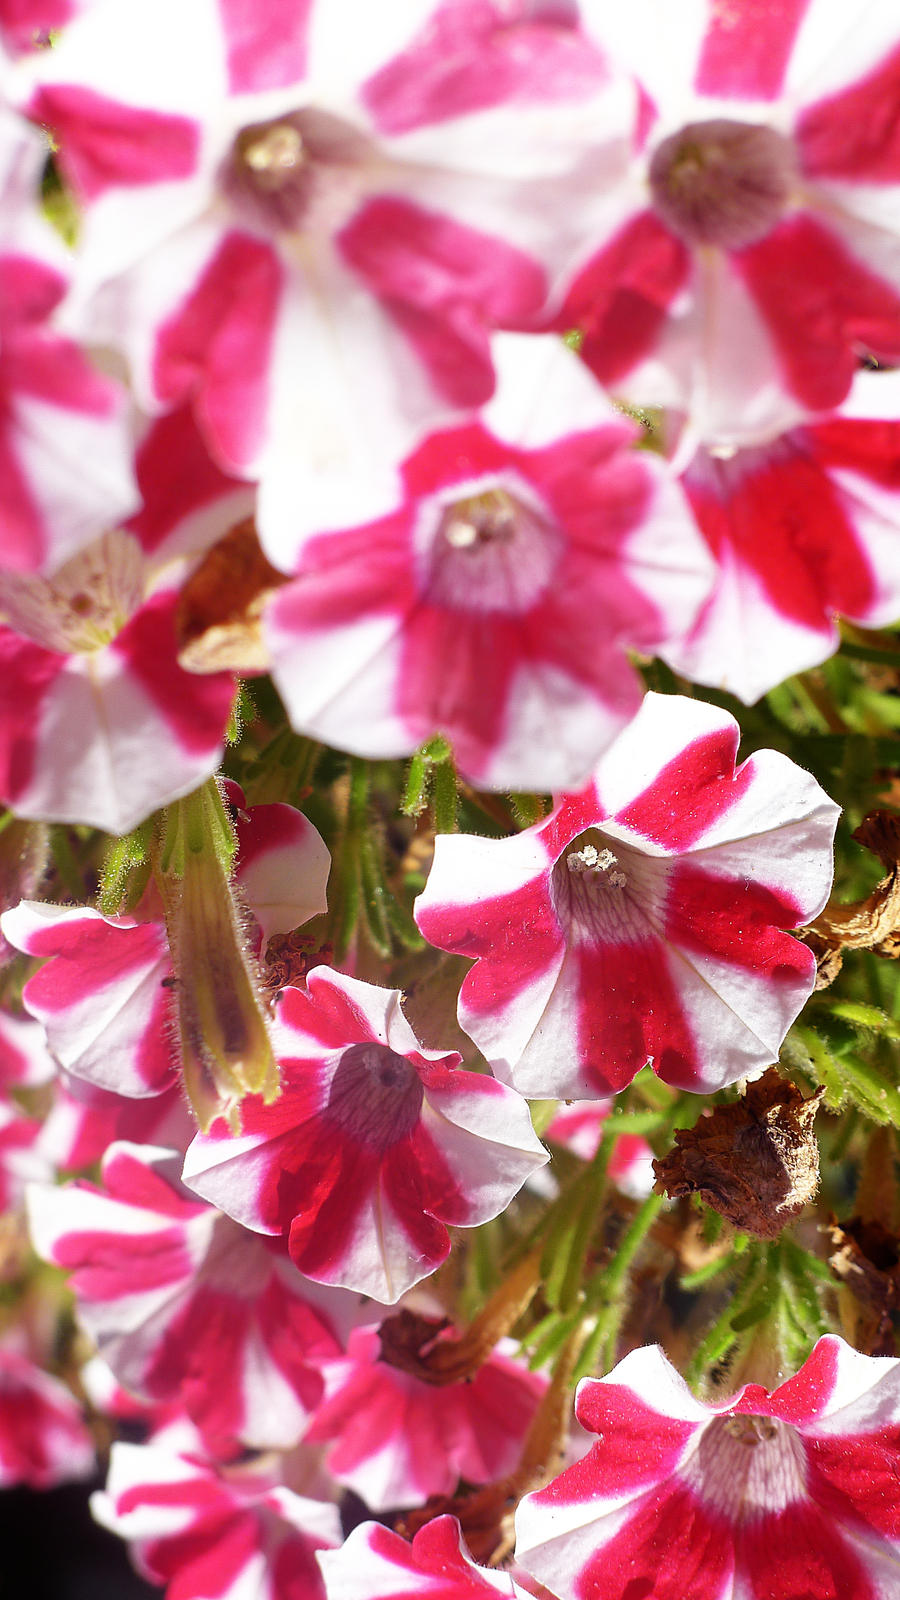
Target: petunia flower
x=84, y=1121
x=183, y=1303
x=24, y=1059
x=65, y=453
x=801, y=527
x=43, y=1439
x=373, y=1148
x=750, y=255
x=28, y=24
x=103, y=993
x=764, y=1495
x=309, y=225
x=396, y=1440
x=22, y=1159
x=641, y=921
x=376, y=1564
x=99, y=724
x=199, y=1530
x=579, y=1127
x=494, y=605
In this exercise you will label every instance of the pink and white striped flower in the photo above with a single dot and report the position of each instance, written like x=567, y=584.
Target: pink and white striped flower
x=579, y=1127
x=801, y=528
x=84, y=1121
x=652, y=903
x=24, y=1059
x=183, y=1303
x=376, y=1564
x=22, y=1160
x=750, y=255
x=226, y=1534
x=494, y=605
x=311, y=226
x=763, y=1495
x=43, y=1439
x=397, y=1440
x=374, y=1147
x=65, y=452
x=99, y=723
x=28, y=24
x=103, y=994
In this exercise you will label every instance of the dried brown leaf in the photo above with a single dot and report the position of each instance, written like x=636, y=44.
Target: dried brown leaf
x=755, y=1161
x=219, y=618
x=869, y=924
x=866, y=1258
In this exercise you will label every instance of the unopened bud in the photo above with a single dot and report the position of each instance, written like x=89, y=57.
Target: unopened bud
x=225, y=1046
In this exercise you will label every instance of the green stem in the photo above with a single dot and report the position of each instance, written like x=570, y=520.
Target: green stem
x=605, y=1289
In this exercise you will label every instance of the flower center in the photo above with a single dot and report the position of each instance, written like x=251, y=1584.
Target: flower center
x=376, y=1096
x=299, y=170
x=745, y=1466
x=490, y=551
x=722, y=183
x=604, y=891
x=85, y=604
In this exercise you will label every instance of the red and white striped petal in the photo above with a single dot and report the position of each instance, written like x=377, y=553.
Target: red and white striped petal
x=43, y=1439
x=655, y=899
x=282, y=867
x=84, y=1121
x=65, y=451
x=22, y=1160
x=746, y=311
x=79, y=727
x=802, y=529
x=757, y=1495
x=24, y=1059
x=183, y=1303
x=373, y=1148
x=101, y=995
x=376, y=1564
x=530, y=548
x=396, y=1440
x=227, y=1535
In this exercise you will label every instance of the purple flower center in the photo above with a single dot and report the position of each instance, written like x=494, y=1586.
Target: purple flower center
x=606, y=892
x=376, y=1096
x=722, y=183
x=491, y=551
x=747, y=1466
x=300, y=170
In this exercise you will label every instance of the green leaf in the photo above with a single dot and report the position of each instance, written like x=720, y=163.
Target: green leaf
x=866, y=1017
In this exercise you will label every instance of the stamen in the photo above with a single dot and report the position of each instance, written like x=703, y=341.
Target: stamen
x=275, y=154
x=590, y=859
x=489, y=551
